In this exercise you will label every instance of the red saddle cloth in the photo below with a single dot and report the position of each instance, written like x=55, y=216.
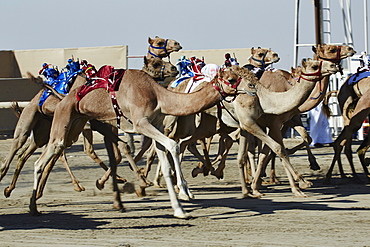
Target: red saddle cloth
x=107, y=77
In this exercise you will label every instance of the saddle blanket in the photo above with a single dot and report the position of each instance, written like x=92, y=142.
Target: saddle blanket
x=357, y=77
x=107, y=77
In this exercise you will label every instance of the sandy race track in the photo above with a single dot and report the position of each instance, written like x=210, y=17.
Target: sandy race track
x=331, y=215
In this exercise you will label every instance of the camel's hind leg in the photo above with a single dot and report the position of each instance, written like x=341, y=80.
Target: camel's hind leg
x=77, y=186
x=25, y=124
x=21, y=161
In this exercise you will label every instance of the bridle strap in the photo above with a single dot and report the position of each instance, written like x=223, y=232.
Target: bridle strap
x=317, y=73
x=262, y=61
x=160, y=48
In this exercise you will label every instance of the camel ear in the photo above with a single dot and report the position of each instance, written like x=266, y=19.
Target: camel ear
x=150, y=41
x=145, y=61
x=304, y=62
x=314, y=49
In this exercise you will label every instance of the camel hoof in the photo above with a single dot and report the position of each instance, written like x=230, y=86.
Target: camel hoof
x=78, y=187
x=121, y=180
x=300, y=194
x=196, y=171
x=250, y=195
x=35, y=213
x=140, y=192
x=99, y=185
x=305, y=184
x=7, y=192
x=119, y=207
x=181, y=214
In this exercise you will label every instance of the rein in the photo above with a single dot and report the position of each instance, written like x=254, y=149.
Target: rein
x=160, y=48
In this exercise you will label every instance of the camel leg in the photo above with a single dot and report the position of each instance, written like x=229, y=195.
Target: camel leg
x=112, y=153
x=77, y=186
x=21, y=161
x=361, y=151
x=89, y=150
x=144, y=127
x=222, y=155
x=241, y=163
x=278, y=148
x=25, y=124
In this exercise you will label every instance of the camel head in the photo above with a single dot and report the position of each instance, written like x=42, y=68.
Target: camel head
x=159, y=69
x=262, y=57
x=159, y=47
x=248, y=82
x=333, y=53
x=314, y=70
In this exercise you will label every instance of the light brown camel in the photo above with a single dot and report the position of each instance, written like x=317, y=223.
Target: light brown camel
x=185, y=126
x=312, y=71
x=325, y=52
x=159, y=47
x=246, y=110
x=38, y=122
x=144, y=103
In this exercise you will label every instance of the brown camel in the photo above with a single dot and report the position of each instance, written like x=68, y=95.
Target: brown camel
x=348, y=98
x=38, y=121
x=144, y=103
x=359, y=114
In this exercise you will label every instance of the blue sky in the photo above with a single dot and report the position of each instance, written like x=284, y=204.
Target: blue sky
x=201, y=24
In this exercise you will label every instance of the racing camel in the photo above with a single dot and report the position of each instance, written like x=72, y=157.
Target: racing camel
x=143, y=103
x=38, y=121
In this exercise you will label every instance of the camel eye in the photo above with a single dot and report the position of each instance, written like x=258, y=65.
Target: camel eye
x=231, y=81
x=316, y=67
x=333, y=50
x=261, y=54
x=161, y=43
x=251, y=85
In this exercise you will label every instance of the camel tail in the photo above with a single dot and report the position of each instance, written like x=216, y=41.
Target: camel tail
x=39, y=81
x=16, y=109
x=325, y=103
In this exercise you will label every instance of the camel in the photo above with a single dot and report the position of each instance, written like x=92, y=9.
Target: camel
x=348, y=96
x=144, y=103
x=159, y=47
x=38, y=122
x=260, y=58
x=324, y=52
x=360, y=112
x=246, y=110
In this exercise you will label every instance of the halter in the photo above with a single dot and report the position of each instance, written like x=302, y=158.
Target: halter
x=318, y=73
x=160, y=48
x=222, y=92
x=146, y=68
x=262, y=61
x=335, y=60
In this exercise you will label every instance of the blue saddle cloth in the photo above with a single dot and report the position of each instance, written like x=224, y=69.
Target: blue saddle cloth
x=63, y=81
x=357, y=77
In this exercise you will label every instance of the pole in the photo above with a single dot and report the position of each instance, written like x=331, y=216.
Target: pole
x=318, y=22
x=365, y=27
x=296, y=24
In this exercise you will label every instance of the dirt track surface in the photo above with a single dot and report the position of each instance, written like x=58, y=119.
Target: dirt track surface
x=331, y=215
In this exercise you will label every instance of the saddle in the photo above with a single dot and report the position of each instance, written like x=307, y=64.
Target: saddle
x=60, y=81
